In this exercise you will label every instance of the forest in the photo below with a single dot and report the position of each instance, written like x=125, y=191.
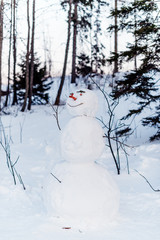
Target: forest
x=79, y=119
x=28, y=73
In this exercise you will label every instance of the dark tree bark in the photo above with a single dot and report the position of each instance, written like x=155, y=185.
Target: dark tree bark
x=14, y=53
x=115, y=70
x=9, y=56
x=74, y=51
x=32, y=57
x=27, y=61
x=57, y=101
x=1, y=45
x=135, y=39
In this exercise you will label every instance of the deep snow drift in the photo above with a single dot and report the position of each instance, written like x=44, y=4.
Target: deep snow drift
x=35, y=138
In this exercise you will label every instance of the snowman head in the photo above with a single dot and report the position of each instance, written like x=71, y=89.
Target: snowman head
x=82, y=102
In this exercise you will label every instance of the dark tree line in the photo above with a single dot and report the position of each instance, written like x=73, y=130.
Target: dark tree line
x=141, y=81
x=139, y=18
x=80, y=15
x=31, y=85
x=40, y=83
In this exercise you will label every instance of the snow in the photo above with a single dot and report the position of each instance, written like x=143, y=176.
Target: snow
x=86, y=136
x=35, y=138
x=85, y=197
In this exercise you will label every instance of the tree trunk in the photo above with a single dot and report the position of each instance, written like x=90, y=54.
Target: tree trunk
x=9, y=57
x=57, y=101
x=115, y=70
x=27, y=61
x=96, y=37
x=32, y=57
x=1, y=45
x=135, y=57
x=75, y=18
x=14, y=53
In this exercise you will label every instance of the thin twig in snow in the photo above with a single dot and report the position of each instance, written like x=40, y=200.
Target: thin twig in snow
x=56, y=178
x=155, y=190
x=55, y=109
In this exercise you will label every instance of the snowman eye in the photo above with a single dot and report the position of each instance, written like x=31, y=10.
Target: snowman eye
x=80, y=91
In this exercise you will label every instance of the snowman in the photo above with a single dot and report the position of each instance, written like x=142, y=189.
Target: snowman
x=81, y=191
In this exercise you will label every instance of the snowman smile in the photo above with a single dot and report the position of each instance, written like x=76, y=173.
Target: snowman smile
x=75, y=105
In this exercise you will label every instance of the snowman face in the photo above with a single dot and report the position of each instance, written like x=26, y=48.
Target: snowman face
x=82, y=102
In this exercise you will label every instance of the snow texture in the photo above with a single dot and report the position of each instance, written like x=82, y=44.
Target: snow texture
x=86, y=195
x=82, y=140
x=35, y=138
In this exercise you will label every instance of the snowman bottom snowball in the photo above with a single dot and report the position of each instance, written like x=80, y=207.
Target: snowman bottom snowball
x=87, y=193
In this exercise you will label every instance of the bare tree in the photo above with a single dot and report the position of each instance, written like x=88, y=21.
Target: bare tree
x=75, y=21
x=135, y=38
x=14, y=52
x=115, y=41
x=32, y=57
x=47, y=54
x=27, y=61
x=9, y=54
x=1, y=44
x=5, y=145
x=115, y=131
x=57, y=101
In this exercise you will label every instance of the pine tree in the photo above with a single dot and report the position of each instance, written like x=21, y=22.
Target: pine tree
x=84, y=65
x=41, y=83
x=141, y=82
x=90, y=30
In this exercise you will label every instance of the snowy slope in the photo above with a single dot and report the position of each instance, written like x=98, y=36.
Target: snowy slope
x=34, y=138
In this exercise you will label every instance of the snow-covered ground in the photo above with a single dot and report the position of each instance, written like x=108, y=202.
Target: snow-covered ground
x=34, y=137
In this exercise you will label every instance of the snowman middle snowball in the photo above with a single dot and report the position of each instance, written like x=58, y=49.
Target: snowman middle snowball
x=82, y=138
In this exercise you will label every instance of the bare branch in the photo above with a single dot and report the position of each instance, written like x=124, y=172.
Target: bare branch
x=56, y=178
x=155, y=190
x=56, y=115
x=113, y=128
